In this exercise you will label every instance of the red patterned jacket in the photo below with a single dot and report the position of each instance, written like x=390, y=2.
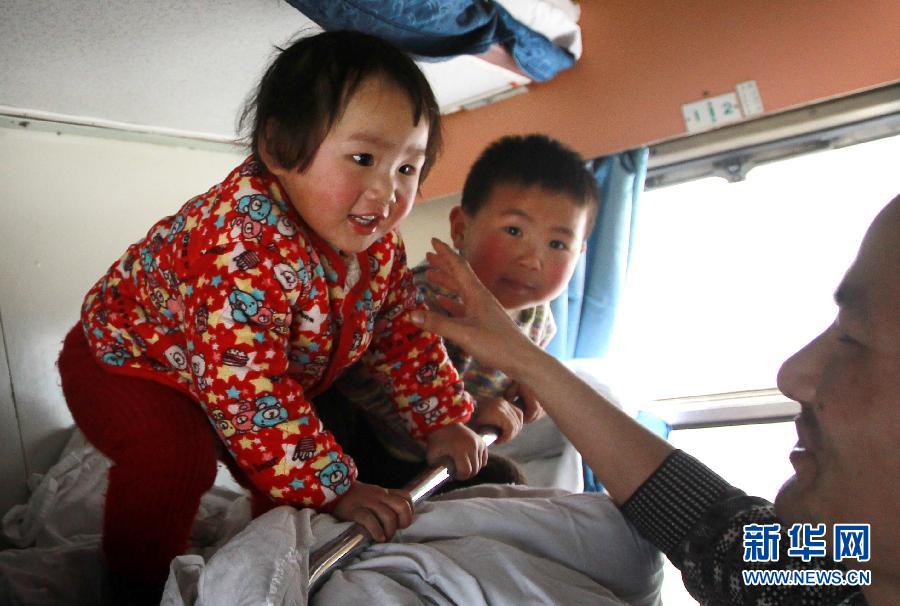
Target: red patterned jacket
x=236, y=302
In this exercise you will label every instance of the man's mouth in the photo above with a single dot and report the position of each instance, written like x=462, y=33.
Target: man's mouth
x=803, y=455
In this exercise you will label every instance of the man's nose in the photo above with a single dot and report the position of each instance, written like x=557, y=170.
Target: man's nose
x=799, y=375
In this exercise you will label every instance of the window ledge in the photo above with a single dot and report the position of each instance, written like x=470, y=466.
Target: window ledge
x=731, y=408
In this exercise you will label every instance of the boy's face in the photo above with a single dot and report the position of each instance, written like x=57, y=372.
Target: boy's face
x=523, y=244
x=364, y=177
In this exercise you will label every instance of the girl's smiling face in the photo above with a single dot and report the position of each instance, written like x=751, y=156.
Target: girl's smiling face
x=364, y=177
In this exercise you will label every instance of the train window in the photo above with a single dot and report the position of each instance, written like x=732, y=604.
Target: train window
x=734, y=262
x=729, y=276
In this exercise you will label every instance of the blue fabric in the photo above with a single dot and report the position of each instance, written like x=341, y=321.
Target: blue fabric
x=436, y=29
x=586, y=311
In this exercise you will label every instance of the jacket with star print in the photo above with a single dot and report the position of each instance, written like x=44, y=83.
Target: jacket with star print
x=236, y=302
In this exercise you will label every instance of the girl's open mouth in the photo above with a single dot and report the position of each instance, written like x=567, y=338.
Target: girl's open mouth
x=364, y=224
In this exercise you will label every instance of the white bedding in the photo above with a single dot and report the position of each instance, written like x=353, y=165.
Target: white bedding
x=537, y=546
x=57, y=532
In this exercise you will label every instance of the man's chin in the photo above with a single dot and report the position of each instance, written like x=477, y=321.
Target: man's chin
x=791, y=502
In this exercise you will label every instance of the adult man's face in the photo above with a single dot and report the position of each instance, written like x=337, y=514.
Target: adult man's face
x=848, y=383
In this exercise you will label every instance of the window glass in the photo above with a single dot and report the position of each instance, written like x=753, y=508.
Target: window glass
x=728, y=279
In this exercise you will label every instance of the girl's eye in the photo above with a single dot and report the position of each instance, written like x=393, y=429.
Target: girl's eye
x=364, y=159
x=558, y=245
x=512, y=230
x=408, y=169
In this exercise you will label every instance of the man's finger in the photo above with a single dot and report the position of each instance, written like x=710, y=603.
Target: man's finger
x=446, y=259
x=442, y=279
x=452, y=306
x=434, y=322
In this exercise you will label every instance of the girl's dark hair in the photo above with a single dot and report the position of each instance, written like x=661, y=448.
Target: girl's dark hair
x=306, y=88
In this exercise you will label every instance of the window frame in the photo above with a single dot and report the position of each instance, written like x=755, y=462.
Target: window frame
x=730, y=152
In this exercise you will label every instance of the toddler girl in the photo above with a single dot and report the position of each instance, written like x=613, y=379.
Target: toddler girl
x=237, y=310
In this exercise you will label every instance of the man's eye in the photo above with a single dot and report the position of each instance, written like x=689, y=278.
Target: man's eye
x=512, y=230
x=847, y=339
x=408, y=169
x=364, y=159
x=558, y=245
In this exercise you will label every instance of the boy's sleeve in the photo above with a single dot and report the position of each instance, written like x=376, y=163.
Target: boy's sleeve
x=237, y=316
x=548, y=327
x=428, y=294
x=412, y=364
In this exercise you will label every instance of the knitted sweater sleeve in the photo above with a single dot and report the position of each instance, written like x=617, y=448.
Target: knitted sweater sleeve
x=697, y=519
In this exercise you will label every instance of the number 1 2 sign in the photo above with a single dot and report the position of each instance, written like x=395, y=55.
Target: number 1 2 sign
x=711, y=112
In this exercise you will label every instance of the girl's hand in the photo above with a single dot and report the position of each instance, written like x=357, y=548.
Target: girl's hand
x=499, y=413
x=461, y=445
x=380, y=511
x=478, y=324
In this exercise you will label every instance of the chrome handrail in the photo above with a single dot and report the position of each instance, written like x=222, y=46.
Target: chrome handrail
x=324, y=560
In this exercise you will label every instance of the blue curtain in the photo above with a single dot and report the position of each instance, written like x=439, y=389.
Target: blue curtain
x=586, y=311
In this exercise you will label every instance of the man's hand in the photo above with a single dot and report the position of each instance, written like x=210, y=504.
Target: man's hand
x=477, y=323
x=379, y=510
x=499, y=413
x=461, y=445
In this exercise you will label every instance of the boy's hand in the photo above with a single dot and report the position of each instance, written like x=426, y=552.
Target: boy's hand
x=379, y=510
x=524, y=398
x=499, y=413
x=461, y=445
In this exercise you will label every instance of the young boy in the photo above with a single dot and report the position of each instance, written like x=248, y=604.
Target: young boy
x=528, y=205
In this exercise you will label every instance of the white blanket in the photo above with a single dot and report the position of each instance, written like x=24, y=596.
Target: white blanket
x=535, y=546
x=470, y=547
x=57, y=533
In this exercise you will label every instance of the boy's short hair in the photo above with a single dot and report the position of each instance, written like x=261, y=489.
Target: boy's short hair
x=529, y=160
x=306, y=88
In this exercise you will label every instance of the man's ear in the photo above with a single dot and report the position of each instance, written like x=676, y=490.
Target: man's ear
x=458, y=221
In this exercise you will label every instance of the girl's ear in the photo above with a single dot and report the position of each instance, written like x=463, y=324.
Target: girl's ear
x=266, y=156
x=458, y=220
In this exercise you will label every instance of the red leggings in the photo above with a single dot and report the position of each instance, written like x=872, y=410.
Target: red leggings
x=164, y=452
